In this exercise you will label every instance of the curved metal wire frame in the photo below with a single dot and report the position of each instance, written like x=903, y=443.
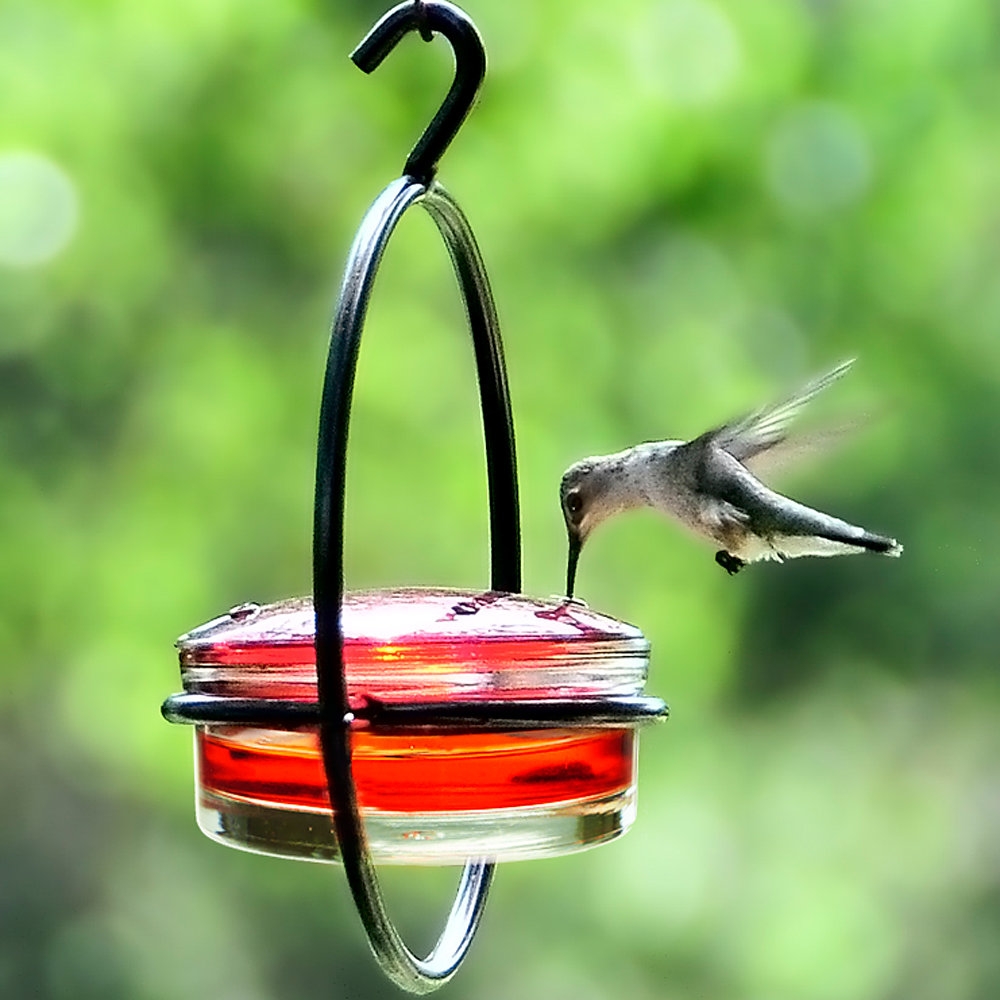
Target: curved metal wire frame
x=398, y=962
x=404, y=968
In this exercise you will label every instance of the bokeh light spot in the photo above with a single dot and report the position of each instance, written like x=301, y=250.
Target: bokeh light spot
x=689, y=52
x=817, y=160
x=39, y=209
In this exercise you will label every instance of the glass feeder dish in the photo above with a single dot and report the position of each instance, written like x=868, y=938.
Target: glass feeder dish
x=463, y=745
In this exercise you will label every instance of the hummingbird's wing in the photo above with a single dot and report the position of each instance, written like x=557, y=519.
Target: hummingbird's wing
x=767, y=427
x=801, y=447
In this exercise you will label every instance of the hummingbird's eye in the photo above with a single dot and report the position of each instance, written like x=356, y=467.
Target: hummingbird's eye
x=574, y=503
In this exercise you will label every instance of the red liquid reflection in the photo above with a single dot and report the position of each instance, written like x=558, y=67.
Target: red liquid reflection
x=426, y=773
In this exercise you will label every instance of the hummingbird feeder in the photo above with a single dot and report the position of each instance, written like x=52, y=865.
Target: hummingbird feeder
x=416, y=726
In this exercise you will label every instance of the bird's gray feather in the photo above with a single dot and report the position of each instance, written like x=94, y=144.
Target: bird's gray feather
x=768, y=514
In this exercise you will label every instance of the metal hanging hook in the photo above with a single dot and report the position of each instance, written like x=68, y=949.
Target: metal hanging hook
x=427, y=16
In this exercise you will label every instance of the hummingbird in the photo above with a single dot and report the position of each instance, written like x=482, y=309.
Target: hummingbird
x=707, y=485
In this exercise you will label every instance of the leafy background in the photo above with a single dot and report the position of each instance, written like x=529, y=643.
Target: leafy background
x=686, y=207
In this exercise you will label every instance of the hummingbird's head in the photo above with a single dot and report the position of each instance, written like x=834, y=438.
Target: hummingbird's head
x=585, y=488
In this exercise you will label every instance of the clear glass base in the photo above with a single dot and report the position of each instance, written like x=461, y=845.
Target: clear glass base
x=421, y=839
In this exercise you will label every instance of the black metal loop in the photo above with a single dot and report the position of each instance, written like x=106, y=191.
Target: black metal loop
x=405, y=969
x=383, y=717
x=426, y=16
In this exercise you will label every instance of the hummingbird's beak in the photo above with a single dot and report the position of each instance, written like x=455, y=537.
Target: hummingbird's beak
x=575, y=544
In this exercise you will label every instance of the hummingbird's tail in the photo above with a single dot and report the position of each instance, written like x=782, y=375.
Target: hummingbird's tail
x=867, y=540
x=832, y=537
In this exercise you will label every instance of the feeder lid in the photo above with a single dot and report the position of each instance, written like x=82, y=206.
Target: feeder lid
x=421, y=644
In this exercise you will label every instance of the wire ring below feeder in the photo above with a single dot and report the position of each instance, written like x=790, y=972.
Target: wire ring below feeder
x=399, y=963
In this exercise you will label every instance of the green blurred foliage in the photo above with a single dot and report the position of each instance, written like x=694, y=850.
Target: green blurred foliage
x=686, y=206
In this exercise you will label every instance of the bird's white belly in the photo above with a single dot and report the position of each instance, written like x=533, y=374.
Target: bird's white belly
x=757, y=549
